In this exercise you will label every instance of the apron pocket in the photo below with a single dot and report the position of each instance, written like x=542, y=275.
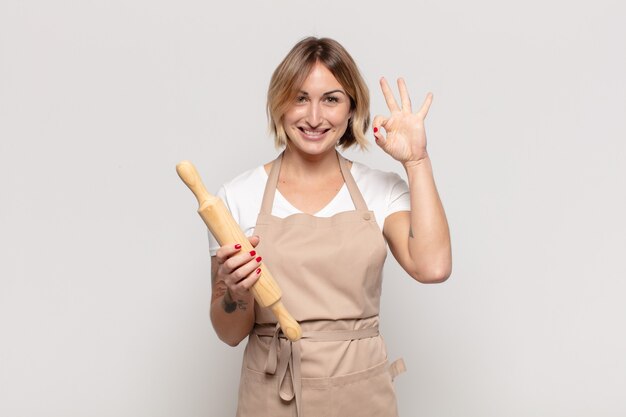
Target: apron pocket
x=254, y=392
x=369, y=393
x=316, y=402
x=258, y=397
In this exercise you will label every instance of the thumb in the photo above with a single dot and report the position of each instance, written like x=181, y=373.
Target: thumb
x=254, y=240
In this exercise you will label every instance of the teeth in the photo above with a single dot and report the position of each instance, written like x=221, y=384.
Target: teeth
x=312, y=132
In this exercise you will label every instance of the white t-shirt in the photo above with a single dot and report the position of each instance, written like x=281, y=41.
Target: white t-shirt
x=384, y=193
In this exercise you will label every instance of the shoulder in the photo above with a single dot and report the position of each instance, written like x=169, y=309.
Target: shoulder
x=243, y=190
x=384, y=192
x=245, y=181
x=243, y=195
x=374, y=178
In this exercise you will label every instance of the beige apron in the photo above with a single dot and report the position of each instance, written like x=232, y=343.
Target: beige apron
x=330, y=271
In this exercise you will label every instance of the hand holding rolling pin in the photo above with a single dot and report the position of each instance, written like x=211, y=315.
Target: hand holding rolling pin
x=237, y=270
x=227, y=232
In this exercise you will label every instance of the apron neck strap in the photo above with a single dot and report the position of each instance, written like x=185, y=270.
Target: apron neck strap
x=355, y=194
x=272, y=182
x=270, y=186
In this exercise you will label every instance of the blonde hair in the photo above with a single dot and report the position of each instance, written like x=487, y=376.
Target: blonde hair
x=293, y=70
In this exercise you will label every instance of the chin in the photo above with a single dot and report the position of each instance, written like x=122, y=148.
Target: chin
x=313, y=147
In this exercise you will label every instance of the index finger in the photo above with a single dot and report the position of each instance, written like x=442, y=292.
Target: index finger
x=226, y=251
x=391, y=101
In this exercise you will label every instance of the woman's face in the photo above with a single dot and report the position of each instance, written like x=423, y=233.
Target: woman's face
x=319, y=115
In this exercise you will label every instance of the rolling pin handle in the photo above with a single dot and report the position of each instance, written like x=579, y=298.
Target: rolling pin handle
x=288, y=324
x=188, y=173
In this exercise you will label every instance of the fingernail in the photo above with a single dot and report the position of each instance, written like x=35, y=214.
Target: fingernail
x=258, y=259
x=252, y=253
x=258, y=271
x=375, y=129
x=237, y=246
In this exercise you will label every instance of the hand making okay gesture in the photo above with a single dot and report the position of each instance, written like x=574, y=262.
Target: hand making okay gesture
x=405, y=135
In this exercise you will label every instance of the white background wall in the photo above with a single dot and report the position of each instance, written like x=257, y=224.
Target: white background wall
x=104, y=271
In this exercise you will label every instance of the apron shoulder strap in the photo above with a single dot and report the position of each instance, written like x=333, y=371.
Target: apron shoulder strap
x=355, y=194
x=270, y=186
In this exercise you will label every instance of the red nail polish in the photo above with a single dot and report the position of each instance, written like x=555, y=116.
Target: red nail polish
x=252, y=253
x=258, y=259
x=237, y=246
x=375, y=129
x=258, y=271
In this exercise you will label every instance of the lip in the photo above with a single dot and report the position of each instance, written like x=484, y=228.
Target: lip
x=313, y=135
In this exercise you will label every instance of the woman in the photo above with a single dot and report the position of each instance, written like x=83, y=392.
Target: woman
x=321, y=224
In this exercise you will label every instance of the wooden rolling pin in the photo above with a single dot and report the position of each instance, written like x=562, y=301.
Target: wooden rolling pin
x=222, y=225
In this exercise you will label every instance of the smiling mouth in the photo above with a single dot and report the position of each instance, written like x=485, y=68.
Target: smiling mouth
x=313, y=133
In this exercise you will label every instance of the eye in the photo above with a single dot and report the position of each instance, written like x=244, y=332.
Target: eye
x=332, y=99
x=301, y=99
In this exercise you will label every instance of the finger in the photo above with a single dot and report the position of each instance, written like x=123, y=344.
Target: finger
x=254, y=240
x=378, y=124
x=237, y=261
x=226, y=251
x=247, y=283
x=388, y=94
x=425, y=106
x=404, y=96
x=243, y=271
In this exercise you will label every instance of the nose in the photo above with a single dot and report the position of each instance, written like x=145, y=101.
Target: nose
x=314, y=114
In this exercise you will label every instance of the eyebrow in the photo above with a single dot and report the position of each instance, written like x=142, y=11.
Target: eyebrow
x=326, y=93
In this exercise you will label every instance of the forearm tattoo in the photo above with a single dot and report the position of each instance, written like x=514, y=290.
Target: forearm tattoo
x=228, y=304
x=231, y=305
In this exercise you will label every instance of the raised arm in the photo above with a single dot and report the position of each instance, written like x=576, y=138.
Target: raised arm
x=419, y=239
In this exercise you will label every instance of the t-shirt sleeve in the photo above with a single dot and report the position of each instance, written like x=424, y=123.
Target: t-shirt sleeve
x=399, y=197
x=213, y=245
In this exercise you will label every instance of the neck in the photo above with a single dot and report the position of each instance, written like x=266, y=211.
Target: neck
x=301, y=165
